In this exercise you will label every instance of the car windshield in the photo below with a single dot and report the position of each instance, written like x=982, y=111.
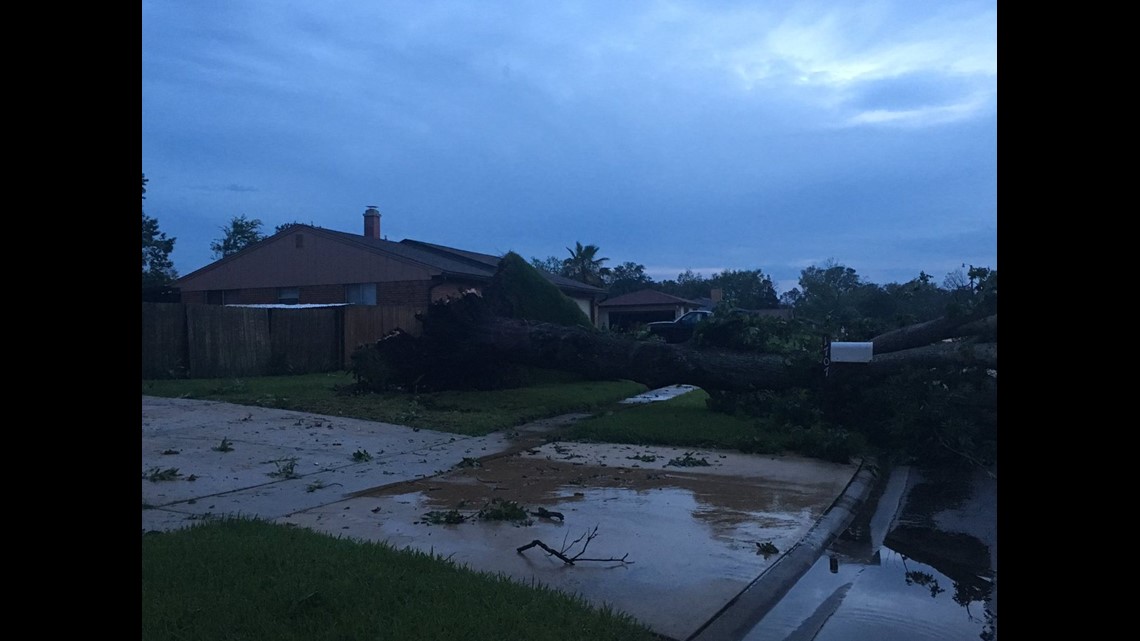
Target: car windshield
x=692, y=318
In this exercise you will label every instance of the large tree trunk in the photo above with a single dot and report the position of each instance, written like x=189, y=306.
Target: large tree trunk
x=659, y=364
x=932, y=331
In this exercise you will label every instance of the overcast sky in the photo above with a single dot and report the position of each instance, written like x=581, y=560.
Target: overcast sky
x=703, y=135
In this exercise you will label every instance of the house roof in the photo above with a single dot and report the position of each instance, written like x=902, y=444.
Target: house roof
x=492, y=262
x=563, y=282
x=646, y=297
x=486, y=260
x=409, y=253
x=449, y=260
x=450, y=264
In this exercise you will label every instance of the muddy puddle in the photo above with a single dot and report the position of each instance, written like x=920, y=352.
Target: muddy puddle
x=724, y=506
x=675, y=533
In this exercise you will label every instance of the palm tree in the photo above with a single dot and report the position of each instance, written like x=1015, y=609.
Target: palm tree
x=584, y=266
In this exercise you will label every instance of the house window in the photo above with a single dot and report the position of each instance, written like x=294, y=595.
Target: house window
x=289, y=295
x=360, y=294
x=222, y=297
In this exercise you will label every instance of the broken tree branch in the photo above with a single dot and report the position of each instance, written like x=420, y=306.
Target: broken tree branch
x=569, y=560
x=547, y=514
x=565, y=559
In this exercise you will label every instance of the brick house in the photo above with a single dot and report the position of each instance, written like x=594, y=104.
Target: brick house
x=310, y=265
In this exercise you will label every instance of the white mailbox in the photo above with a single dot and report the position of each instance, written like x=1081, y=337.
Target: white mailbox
x=851, y=352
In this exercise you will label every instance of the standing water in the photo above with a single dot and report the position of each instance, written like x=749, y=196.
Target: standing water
x=921, y=567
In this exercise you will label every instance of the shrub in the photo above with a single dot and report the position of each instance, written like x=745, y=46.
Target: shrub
x=521, y=291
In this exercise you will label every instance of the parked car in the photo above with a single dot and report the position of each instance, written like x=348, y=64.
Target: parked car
x=681, y=329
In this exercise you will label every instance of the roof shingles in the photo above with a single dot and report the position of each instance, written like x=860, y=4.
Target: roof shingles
x=647, y=297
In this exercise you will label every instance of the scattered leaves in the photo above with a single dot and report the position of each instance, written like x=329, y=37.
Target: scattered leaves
x=688, y=461
x=767, y=549
x=450, y=517
x=155, y=474
x=503, y=510
x=286, y=468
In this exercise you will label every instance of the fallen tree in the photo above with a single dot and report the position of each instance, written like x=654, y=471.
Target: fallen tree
x=931, y=385
x=467, y=330
x=657, y=364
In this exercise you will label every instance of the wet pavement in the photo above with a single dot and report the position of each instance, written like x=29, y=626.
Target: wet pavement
x=668, y=535
x=922, y=567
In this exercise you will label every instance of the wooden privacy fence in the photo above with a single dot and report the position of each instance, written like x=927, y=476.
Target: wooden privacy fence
x=210, y=341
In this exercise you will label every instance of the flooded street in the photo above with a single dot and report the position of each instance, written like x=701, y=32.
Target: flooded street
x=681, y=539
x=921, y=566
x=672, y=535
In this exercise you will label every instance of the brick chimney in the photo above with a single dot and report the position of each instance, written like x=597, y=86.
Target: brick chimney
x=717, y=295
x=372, y=222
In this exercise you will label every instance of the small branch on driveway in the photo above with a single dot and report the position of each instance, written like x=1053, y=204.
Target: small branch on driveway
x=570, y=560
x=550, y=550
x=547, y=514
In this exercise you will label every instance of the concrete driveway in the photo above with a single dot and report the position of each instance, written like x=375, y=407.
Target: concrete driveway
x=679, y=534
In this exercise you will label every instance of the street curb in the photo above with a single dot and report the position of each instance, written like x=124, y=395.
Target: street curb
x=745, y=610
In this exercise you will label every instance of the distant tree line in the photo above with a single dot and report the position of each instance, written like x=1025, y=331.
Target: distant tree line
x=832, y=296
x=157, y=267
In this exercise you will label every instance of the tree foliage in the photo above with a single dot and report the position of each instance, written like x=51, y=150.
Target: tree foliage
x=841, y=304
x=978, y=294
x=583, y=265
x=689, y=284
x=846, y=307
x=157, y=268
x=749, y=289
x=520, y=291
x=745, y=288
x=928, y=395
x=241, y=232
x=625, y=278
x=550, y=264
x=826, y=293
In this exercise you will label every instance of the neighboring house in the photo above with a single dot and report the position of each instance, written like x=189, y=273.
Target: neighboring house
x=644, y=306
x=310, y=265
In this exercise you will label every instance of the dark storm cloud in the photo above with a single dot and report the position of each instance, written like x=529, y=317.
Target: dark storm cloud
x=734, y=135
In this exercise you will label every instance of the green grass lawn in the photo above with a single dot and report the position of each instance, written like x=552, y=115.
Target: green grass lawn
x=686, y=421
x=472, y=413
x=252, y=580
